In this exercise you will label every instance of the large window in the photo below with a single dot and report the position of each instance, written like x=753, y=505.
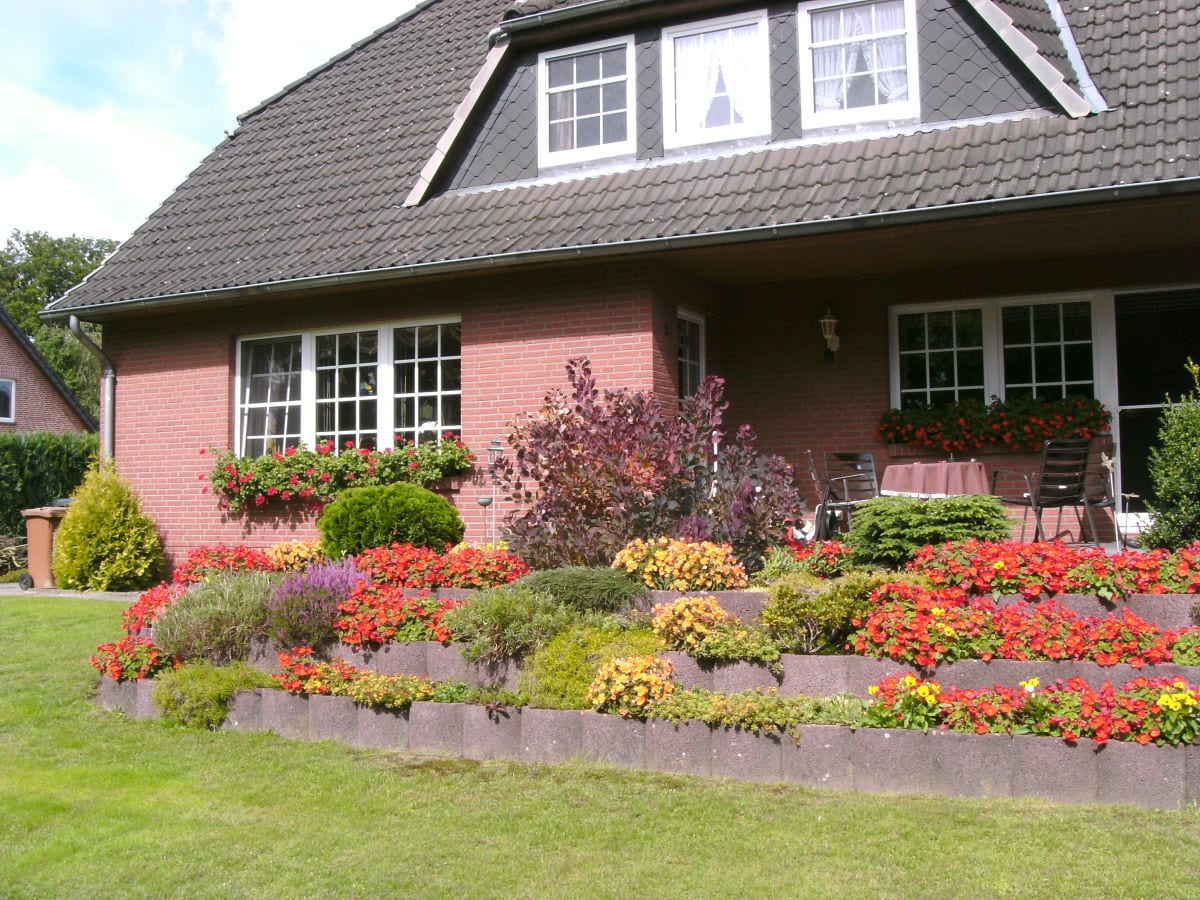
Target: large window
x=715, y=81
x=367, y=386
x=8, y=399
x=858, y=62
x=691, y=352
x=586, y=103
x=1005, y=349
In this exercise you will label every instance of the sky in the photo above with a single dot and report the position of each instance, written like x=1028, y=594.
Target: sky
x=107, y=105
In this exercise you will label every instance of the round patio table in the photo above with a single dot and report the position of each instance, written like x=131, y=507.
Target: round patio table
x=935, y=480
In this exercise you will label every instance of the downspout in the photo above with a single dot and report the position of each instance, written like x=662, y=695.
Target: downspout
x=108, y=388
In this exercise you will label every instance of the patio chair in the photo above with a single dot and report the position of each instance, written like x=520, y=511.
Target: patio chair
x=1061, y=481
x=850, y=481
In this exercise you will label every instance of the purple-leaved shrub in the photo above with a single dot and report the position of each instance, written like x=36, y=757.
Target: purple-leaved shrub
x=593, y=470
x=302, y=610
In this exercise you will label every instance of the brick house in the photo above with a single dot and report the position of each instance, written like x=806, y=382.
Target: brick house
x=991, y=196
x=32, y=395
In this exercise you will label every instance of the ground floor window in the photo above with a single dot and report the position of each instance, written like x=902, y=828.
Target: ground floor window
x=691, y=353
x=942, y=353
x=367, y=386
x=8, y=404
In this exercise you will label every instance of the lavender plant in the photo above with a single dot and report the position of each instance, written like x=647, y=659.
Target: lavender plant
x=302, y=610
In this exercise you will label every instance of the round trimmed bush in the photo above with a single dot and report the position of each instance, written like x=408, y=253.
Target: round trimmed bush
x=379, y=515
x=105, y=542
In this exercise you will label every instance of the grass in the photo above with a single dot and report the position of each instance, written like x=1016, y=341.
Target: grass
x=95, y=804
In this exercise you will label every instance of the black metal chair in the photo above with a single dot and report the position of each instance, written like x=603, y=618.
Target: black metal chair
x=1062, y=481
x=850, y=481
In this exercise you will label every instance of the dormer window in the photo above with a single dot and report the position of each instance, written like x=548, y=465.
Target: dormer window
x=858, y=62
x=585, y=97
x=715, y=81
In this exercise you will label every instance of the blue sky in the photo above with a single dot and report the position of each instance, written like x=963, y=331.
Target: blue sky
x=109, y=104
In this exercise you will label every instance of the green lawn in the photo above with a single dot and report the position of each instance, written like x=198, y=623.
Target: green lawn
x=94, y=805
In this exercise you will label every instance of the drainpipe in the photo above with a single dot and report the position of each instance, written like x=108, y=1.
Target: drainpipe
x=108, y=388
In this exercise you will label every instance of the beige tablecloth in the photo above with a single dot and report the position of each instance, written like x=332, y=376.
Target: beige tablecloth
x=939, y=479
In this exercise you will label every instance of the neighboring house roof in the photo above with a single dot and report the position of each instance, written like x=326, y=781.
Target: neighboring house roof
x=312, y=185
x=21, y=339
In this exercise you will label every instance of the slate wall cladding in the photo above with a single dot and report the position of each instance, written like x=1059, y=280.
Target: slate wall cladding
x=965, y=72
x=823, y=756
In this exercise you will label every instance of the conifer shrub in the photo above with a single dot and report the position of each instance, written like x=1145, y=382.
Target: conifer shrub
x=197, y=695
x=105, y=542
x=561, y=671
x=216, y=618
x=888, y=531
x=376, y=516
x=1175, y=473
x=588, y=588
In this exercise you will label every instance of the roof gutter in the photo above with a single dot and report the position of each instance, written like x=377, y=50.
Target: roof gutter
x=108, y=385
x=536, y=21
x=479, y=264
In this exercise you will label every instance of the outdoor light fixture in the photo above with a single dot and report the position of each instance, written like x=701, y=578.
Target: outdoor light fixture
x=495, y=448
x=829, y=324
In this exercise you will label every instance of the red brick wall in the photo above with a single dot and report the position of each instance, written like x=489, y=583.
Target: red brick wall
x=39, y=405
x=175, y=377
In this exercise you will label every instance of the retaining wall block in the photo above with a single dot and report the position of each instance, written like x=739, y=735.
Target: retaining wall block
x=685, y=748
x=747, y=755
x=504, y=675
x=819, y=676
x=864, y=671
x=436, y=728
x=444, y=662
x=400, y=658
x=1150, y=776
x=119, y=695
x=971, y=765
x=614, y=740
x=285, y=714
x=1191, y=764
x=688, y=672
x=381, y=729
x=1051, y=768
x=891, y=760
x=743, y=604
x=1165, y=610
x=145, y=707
x=332, y=718
x=263, y=655
x=245, y=712
x=551, y=735
x=729, y=678
x=494, y=735
x=818, y=757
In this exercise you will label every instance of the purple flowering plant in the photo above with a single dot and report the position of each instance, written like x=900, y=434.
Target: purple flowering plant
x=303, y=608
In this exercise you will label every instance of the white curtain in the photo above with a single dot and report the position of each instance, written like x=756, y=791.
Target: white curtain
x=702, y=60
x=892, y=60
x=827, y=62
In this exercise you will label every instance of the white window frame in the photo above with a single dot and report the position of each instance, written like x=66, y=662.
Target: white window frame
x=811, y=118
x=548, y=158
x=1104, y=374
x=674, y=137
x=12, y=401
x=384, y=386
x=684, y=315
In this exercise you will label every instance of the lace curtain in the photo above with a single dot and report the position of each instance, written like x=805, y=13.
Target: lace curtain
x=859, y=51
x=703, y=62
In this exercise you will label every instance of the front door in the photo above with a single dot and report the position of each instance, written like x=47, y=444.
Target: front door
x=1156, y=334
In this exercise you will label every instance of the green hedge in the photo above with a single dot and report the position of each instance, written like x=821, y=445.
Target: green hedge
x=35, y=468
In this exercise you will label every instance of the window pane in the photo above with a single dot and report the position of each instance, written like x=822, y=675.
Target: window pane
x=6, y=399
x=427, y=377
x=366, y=415
x=368, y=347
x=587, y=132
x=912, y=371
x=614, y=97
x=562, y=105
x=404, y=340
x=1046, y=324
x=562, y=136
x=941, y=370
x=452, y=339
x=326, y=350
x=325, y=423
x=615, y=129
x=911, y=331
x=347, y=385
x=1018, y=365
x=1077, y=321
x=452, y=411
x=347, y=349
x=587, y=67
x=587, y=101
x=561, y=72
x=406, y=413
x=1047, y=364
x=941, y=330
x=1079, y=362
x=452, y=375
x=1016, y=324
x=427, y=341
x=941, y=398
x=406, y=378
x=347, y=415
x=613, y=62
x=325, y=384
x=968, y=327
x=970, y=367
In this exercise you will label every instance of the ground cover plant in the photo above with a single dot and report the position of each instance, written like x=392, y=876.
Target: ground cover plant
x=87, y=793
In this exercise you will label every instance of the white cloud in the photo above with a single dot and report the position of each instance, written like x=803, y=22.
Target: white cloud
x=265, y=45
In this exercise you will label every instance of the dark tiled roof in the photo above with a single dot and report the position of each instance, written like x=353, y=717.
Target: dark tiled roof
x=1033, y=19
x=313, y=184
x=532, y=7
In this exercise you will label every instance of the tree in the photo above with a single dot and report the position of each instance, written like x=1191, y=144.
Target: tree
x=37, y=269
